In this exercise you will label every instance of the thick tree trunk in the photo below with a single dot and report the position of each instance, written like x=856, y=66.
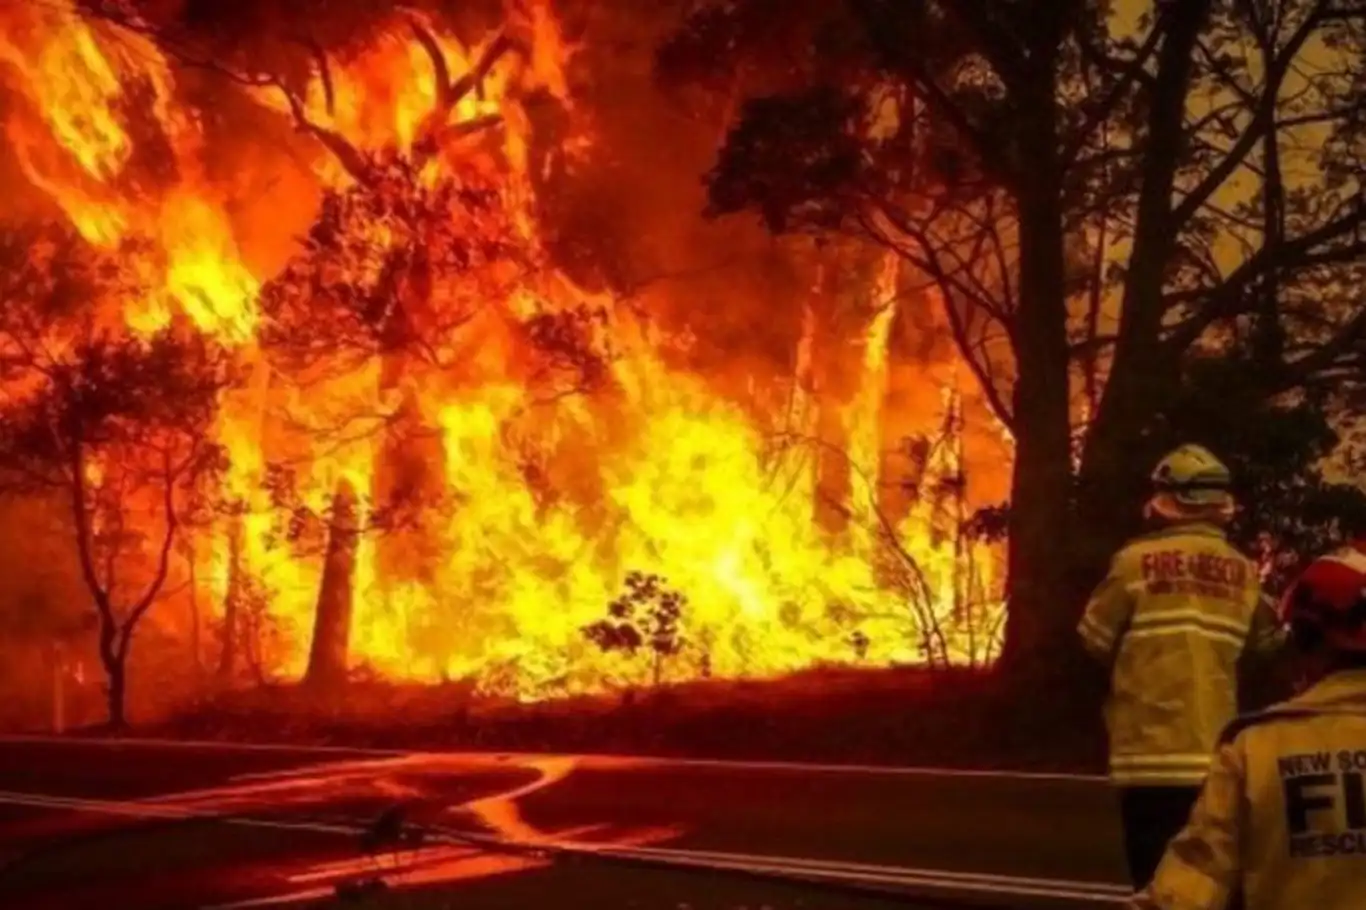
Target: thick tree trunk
x=1041, y=614
x=232, y=603
x=410, y=472
x=1126, y=437
x=327, y=660
x=1041, y=607
x=116, y=671
x=833, y=476
x=842, y=314
x=829, y=389
x=1113, y=485
x=1143, y=378
x=196, y=645
x=907, y=398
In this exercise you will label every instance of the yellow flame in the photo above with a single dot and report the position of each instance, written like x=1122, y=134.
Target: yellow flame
x=205, y=274
x=76, y=89
x=547, y=505
x=56, y=61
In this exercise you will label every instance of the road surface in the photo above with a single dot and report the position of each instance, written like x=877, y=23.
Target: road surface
x=88, y=823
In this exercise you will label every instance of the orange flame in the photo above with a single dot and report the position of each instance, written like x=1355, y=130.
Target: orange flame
x=664, y=476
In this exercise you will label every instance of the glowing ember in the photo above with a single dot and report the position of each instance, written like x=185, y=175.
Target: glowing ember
x=517, y=446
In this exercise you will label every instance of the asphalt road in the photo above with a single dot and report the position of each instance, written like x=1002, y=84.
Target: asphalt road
x=128, y=824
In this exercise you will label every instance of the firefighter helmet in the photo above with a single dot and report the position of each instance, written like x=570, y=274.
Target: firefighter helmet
x=1190, y=482
x=1327, y=603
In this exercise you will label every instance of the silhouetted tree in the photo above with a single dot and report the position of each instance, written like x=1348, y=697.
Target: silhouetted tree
x=1293, y=509
x=115, y=425
x=646, y=616
x=1102, y=202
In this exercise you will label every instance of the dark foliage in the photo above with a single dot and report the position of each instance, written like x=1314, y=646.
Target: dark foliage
x=647, y=615
x=1291, y=511
x=394, y=266
x=1049, y=171
x=116, y=426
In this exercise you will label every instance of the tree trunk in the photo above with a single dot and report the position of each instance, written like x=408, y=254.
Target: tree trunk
x=833, y=476
x=409, y=471
x=232, y=603
x=830, y=392
x=903, y=452
x=1143, y=376
x=1041, y=613
x=115, y=668
x=196, y=646
x=327, y=660
x=1113, y=485
x=841, y=323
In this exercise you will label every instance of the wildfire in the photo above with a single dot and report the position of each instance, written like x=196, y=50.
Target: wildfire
x=74, y=90
x=547, y=447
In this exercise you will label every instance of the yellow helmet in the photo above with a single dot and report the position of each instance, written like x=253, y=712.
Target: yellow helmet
x=1191, y=482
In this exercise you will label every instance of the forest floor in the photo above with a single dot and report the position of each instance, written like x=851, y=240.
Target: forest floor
x=947, y=718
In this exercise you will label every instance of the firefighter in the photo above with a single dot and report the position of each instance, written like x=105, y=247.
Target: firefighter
x=1171, y=619
x=1282, y=817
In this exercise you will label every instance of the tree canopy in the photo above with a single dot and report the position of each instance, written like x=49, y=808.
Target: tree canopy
x=114, y=426
x=1105, y=195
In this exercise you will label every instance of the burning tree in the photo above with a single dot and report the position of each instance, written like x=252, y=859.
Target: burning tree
x=412, y=263
x=413, y=260
x=1104, y=203
x=412, y=338
x=118, y=426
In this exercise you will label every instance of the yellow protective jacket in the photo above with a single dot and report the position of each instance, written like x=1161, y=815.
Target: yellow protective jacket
x=1173, y=615
x=1282, y=818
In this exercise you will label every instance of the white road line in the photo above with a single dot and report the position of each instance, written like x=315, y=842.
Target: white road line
x=275, y=900
x=1069, y=884
x=931, y=879
x=823, y=870
x=142, y=810
x=201, y=744
x=911, y=881
x=607, y=759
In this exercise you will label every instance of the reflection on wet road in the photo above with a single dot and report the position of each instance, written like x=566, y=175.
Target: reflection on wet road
x=425, y=787
x=258, y=827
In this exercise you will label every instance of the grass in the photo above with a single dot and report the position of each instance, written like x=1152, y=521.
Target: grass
x=950, y=718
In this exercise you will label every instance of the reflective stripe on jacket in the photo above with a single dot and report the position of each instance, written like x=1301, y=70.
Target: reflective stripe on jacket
x=1282, y=817
x=1174, y=614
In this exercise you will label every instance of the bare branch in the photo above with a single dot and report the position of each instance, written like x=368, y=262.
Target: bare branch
x=346, y=154
x=1230, y=298
x=1130, y=74
x=1324, y=356
x=80, y=515
x=1264, y=120
x=1221, y=70
x=171, y=474
x=435, y=127
x=440, y=69
x=925, y=257
x=324, y=70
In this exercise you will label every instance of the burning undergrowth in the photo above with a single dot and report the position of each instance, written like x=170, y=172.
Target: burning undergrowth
x=458, y=440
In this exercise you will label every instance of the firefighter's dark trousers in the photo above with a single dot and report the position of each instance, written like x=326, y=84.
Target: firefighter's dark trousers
x=1152, y=816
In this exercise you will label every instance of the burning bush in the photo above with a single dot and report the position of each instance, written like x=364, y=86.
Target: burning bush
x=647, y=615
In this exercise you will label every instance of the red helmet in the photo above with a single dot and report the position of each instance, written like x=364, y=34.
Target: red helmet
x=1328, y=601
